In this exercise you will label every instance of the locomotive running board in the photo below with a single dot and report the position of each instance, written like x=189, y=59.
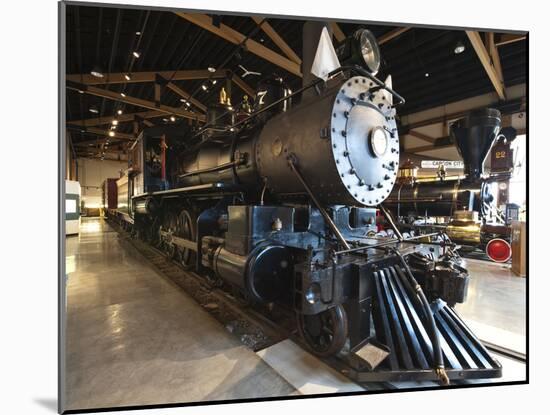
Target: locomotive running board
x=400, y=332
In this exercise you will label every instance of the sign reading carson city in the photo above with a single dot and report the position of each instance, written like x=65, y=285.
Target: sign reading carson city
x=434, y=164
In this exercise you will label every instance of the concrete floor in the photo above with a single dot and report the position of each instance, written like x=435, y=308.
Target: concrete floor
x=134, y=338
x=496, y=297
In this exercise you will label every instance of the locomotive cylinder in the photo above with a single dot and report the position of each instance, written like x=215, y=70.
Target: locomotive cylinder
x=265, y=274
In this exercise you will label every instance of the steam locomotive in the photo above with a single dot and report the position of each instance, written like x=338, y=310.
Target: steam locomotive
x=277, y=206
x=465, y=205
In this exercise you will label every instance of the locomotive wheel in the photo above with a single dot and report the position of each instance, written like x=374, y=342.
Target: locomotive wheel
x=324, y=333
x=170, y=224
x=185, y=228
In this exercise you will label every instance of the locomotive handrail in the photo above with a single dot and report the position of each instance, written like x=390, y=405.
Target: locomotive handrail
x=367, y=74
x=341, y=69
x=383, y=244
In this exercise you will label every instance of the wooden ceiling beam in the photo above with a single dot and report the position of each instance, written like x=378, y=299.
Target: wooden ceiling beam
x=485, y=59
x=95, y=155
x=421, y=136
x=428, y=148
x=138, y=102
x=186, y=95
x=337, y=32
x=506, y=39
x=495, y=57
x=277, y=39
x=89, y=143
x=385, y=38
x=105, y=133
x=244, y=86
x=137, y=77
x=235, y=37
x=90, y=122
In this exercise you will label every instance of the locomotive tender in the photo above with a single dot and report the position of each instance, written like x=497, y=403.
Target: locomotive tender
x=278, y=206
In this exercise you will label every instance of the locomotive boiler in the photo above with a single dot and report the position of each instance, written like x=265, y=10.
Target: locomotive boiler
x=465, y=205
x=278, y=207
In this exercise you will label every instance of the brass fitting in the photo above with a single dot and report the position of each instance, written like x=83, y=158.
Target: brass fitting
x=442, y=375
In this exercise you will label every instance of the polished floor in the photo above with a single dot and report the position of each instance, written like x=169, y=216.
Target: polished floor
x=496, y=297
x=134, y=338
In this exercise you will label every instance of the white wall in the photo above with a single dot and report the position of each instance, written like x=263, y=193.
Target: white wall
x=91, y=175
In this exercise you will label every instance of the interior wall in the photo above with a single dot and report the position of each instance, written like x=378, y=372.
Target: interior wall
x=91, y=175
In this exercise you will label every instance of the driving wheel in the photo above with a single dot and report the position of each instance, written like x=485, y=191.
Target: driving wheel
x=324, y=333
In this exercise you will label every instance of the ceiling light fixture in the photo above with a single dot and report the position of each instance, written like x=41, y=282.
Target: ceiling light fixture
x=111, y=133
x=136, y=54
x=123, y=95
x=127, y=76
x=115, y=122
x=188, y=104
x=94, y=110
x=97, y=71
x=172, y=118
x=119, y=112
x=211, y=69
x=204, y=87
x=138, y=33
x=427, y=74
x=459, y=48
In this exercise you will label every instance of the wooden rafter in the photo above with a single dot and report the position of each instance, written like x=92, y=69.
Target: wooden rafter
x=90, y=122
x=493, y=53
x=337, y=32
x=487, y=63
x=278, y=40
x=392, y=34
x=88, y=143
x=235, y=37
x=137, y=77
x=243, y=85
x=428, y=148
x=186, y=95
x=505, y=39
x=421, y=136
x=138, y=102
x=105, y=133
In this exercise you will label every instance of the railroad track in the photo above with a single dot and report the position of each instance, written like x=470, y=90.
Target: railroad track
x=256, y=328
x=253, y=328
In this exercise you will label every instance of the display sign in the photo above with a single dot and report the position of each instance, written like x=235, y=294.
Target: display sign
x=502, y=158
x=449, y=164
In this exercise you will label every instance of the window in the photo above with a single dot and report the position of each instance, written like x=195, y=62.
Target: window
x=70, y=206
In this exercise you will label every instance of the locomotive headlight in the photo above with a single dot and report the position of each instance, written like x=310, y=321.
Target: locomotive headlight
x=313, y=293
x=378, y=141
x=367, y=47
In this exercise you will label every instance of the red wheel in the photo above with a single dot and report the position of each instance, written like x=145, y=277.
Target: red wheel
x=498, y=250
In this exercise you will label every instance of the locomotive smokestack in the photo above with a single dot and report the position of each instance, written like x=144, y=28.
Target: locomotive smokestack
x=473, y=136
x=311, y=34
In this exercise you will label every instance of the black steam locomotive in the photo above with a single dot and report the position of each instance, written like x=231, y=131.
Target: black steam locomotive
x=278, y=206
x=466, y=206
